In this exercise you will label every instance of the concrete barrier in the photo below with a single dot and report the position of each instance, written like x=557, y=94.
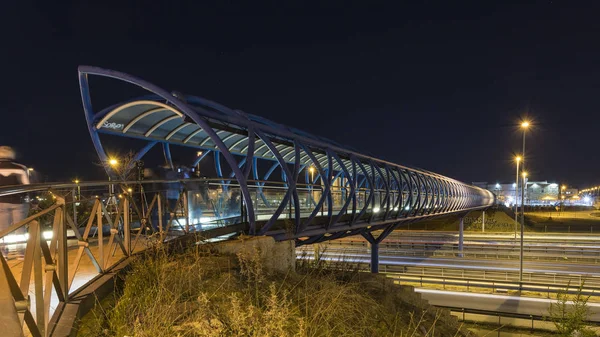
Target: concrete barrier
x=275, y=256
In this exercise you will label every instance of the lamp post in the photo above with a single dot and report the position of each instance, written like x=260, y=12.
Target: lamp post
x=78, y=190
x=76, y=199
x=311, y=169
x=113, y=163
x=199, y=153
x=518, y=159
x=523, y=184
x=524, y=126
x=562, y=197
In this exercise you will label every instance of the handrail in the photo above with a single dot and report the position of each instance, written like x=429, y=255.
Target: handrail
x=18, y=189
x=503, y=314
x=495, y=284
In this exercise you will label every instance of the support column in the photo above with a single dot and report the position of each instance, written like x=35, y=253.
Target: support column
x=483, y=221
x=374, y=243
x=461, y=230
x=375, y=257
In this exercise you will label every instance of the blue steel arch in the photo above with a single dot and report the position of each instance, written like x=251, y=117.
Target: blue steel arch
x=346, y=193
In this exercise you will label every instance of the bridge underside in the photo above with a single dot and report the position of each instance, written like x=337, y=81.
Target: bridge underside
x=289, y=184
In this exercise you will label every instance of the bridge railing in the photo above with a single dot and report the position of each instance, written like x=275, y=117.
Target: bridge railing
x=78, y=231
x=75, y=232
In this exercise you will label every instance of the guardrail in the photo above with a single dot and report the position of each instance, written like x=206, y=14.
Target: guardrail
x=453, y=246
x=497, y=285
x=501, y=314
x=588, y=255
x=545, y=279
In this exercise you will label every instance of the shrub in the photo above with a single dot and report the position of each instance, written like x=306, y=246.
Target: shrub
x=198, y=293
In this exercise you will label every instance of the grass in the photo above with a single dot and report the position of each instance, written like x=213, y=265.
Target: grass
x=495, y=221
x=199, y=293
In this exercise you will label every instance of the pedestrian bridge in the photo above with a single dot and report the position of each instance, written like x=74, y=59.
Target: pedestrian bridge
x=265, y=179
x=324, y=190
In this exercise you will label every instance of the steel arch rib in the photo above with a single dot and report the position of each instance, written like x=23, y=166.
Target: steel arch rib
x=86, y=70
x=352, y=189
x=291, y=191
x=323, y=194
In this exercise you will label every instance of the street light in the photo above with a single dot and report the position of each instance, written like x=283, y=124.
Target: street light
x=518, y=160
x=113, y=163
x=310, y=198
x=522, y=226
x=198, y=154
x=76, y=199
x=524, y=125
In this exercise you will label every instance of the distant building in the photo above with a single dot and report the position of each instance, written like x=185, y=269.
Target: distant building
x=569, y=192
x=536, y=193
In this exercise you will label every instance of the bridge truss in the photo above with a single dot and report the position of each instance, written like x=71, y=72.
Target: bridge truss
x=326, y=191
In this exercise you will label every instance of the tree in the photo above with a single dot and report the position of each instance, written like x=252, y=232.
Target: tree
x=122, y=167
x=570, y=313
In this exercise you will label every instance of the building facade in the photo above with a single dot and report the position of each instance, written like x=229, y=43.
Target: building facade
x=536, y=193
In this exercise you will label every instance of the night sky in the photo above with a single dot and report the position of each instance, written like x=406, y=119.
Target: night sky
x=439, y=86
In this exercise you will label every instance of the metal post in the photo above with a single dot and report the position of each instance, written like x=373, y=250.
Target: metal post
x=160, y=219
x=375, y=257
x=75, y=199
x=186, y=210
x=523, y=185
x=63, y=258
x=100, y=234
x=461, y=229
x=516, y=199
x=127, y=227
x=37, y=275
x=483, y=221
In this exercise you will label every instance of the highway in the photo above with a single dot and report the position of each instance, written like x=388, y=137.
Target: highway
x=489, y=260
x=491, y=238
x=583, y=249
x=466, y=264
x=500, y=270
x=588, y=255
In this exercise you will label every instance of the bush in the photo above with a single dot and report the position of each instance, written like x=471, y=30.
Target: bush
x=198, y=293
x=570, y=313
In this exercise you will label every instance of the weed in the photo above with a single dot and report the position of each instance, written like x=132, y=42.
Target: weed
x=198, y=293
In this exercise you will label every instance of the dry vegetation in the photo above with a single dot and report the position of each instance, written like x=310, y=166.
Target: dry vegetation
x=198, y=293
